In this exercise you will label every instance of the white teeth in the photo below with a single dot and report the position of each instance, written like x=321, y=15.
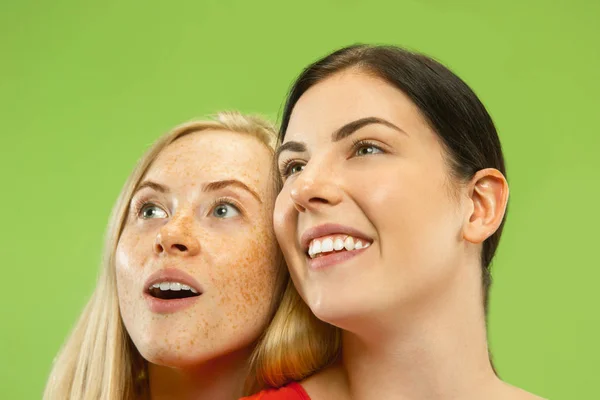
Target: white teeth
x=327, y=246
x=338, y=244
x=175, y=286
x=316, y=247
x=349, y=243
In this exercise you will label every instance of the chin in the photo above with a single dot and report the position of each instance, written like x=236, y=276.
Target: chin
x=356, y=311
x=172, y=359
x=179, y=357
x=189, y=351
x=339, y=311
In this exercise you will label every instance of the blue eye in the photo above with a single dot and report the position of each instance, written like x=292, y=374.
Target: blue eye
x=225, y=210
x=150, y=211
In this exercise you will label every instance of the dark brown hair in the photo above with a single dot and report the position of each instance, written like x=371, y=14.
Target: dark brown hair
x=448, y=104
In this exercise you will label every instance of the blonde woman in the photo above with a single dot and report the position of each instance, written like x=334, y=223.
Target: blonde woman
x=391, y=210
x=191, y=272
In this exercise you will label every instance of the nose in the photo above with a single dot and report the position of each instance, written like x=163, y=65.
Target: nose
x=176, y=239
x=313, y=190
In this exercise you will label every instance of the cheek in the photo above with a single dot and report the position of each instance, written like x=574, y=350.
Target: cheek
x=280, y=213
x=411, y=210
x=246, y=277
x=131, y=253
x=129, y=258
x=418, y=230
x=284, y=221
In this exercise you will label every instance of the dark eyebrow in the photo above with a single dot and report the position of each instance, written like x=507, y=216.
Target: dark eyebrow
x=296, y=147
x=354, y=126
x=152, y=185
x=341, y=133
x=216, y=185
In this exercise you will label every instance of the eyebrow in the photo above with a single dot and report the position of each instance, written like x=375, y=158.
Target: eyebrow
x=207, y=187
x=152, y=185
x=341, y=133
x=296, y=147
x=216, y=185
x=354, y=126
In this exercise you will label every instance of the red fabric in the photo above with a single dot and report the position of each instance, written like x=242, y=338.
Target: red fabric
x=293, y=391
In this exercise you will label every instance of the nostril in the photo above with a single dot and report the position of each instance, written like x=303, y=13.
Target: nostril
x=180, y=247
x=318, y=200
x=158, y=248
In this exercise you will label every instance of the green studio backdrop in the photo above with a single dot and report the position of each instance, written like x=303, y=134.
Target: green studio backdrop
x=85, y=87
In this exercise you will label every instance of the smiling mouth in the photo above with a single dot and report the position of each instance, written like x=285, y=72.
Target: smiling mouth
x=333, y=244
x=172, y=291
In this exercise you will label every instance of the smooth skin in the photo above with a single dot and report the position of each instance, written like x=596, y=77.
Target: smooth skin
x=358, y=152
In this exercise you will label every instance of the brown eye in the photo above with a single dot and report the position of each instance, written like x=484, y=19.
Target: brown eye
x=291, y=168
x=296, y=168
x=368, y=150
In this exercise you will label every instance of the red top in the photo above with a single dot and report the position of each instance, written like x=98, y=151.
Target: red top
x=293, y=391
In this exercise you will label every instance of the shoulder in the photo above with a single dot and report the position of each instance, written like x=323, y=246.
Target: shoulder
x=293, y=391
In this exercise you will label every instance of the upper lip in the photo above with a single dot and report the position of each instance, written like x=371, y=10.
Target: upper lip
x=172, y=275
x=329, y=229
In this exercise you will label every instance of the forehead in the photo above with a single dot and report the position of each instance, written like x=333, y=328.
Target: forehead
x=347, y=96
x=210, y=155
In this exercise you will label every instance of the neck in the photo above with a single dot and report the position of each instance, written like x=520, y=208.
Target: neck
x=436, y=350
x=219, y=379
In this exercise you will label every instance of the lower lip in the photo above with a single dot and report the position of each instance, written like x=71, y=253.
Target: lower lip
x=161, y=306
x=330, y=260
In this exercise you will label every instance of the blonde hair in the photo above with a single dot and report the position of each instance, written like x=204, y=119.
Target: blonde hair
x=294, y=346
x=99, y=361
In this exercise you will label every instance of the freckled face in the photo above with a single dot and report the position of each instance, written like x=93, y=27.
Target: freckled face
x=220, y=236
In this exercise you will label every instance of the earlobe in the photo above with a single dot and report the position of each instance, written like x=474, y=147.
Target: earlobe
x=489, y=197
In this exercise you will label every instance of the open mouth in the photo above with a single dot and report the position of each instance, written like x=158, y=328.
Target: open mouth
x=172, y=291
x=335, y=244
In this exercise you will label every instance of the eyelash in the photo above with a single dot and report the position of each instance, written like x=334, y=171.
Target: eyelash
x=360, y=143
x=285, y=170
x=142, y=202
x=229, y=201
x=356, y=145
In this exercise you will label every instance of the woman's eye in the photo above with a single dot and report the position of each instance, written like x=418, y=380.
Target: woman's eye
x=290, y=168
x=368, y=150
x=225, y=211
x=152, y=211
x=294, y=169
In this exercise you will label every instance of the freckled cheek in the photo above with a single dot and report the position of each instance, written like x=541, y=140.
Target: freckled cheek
x=128, y=304
x=246, y=279
x=130, y=259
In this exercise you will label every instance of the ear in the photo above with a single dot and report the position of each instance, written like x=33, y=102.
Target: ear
x=488, y=193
